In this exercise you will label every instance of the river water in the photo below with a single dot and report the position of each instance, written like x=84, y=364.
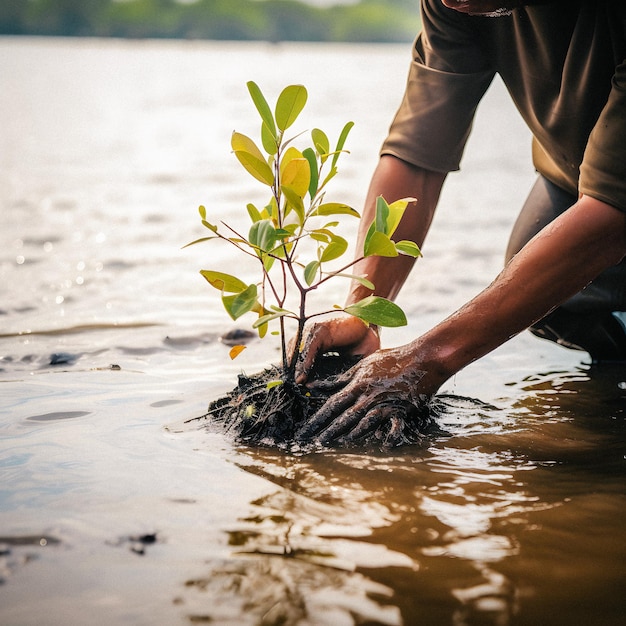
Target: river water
x=113, y=510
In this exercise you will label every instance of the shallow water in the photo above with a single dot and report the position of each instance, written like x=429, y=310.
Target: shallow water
x=114, y=510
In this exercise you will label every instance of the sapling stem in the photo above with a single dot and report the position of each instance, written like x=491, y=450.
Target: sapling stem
x=297, y=205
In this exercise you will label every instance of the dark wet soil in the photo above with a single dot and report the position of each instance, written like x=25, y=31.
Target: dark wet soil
x=259, y=411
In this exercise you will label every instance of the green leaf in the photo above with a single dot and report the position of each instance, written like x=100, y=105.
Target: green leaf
x=320, y=235
x=289, y=105
x=321, y=143
x=341, y=142
x=379, y=244
x=263, y=235
x=257, y=168
x=283, y=233
x=379, y=311
x=264, y=319
x=335, y=208
x=270, y=209
x=224, y=282
x=382, y=213
x=268, y=140
x=262, y=107
x=331, y=174
x=202, y=211
x=294, y=201
x=274, y=383
x=368, y=284
x=212, y=227
x=240, y=303
x=396, y=211
x=409, y=248
x=309, y=155
x=334, y=249
x=310, y=272
x=192, y=243
x=254, y=213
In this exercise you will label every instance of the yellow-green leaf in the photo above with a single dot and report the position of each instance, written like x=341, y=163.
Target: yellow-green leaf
x=294, y=201
x=262, y=106
x=195, y=241
x=257, y=168
x=242, y=143
x=320, y=140
x=310, y=272
x=334, y=249
x=254, y=213
x=289, y=105
x=368, y=284
x=396, y=211
x=379, y=244
x=410, y=248
x=335, y=208
x=240, y=303
x=341, y=141
x=224, y=282
x=268, y=140
x=251, y=158
x=295, y=171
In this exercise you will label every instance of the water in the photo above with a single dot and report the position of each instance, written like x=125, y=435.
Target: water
x=112, y=510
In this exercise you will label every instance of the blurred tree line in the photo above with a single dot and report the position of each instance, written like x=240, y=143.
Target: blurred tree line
x=269, y=20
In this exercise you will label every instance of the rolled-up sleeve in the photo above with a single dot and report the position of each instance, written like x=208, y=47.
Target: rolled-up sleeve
x=435, y=117
x=448, y=76
x=603, y=169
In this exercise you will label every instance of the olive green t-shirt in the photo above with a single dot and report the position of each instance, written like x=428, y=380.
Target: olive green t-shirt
x=564, y=65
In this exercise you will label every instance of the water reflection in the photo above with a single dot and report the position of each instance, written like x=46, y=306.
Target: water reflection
x=456, y=532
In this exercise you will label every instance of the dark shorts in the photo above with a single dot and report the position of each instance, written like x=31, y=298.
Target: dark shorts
x=593, y=320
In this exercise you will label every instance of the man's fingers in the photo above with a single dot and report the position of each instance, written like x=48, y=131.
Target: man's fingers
x=343, y=423
x=371, y=421
x=329, y=385
x=332, y=408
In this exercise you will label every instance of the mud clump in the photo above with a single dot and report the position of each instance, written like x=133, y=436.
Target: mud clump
x=261, y=411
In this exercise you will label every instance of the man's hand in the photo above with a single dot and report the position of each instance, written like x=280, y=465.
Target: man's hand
x=559, y=261
x=371, y=393
x=346, y=335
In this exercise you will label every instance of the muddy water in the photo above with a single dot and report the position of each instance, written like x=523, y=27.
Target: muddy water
x=113, y=509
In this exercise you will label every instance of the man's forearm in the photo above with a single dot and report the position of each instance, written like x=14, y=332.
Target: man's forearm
x=562, y=259
x=394, y=179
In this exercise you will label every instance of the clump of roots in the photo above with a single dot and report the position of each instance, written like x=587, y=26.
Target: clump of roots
x=271, y=415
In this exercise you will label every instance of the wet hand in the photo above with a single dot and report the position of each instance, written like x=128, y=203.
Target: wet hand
x=346, y=335
x=376, y=390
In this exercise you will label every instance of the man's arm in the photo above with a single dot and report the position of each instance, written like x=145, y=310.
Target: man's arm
x=559, y=261
x=393, y=179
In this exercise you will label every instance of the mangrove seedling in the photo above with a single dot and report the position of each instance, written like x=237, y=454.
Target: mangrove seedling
x=294, y=240
x=297, y=210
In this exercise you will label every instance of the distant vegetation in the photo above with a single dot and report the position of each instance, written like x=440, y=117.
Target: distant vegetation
x=269, y=20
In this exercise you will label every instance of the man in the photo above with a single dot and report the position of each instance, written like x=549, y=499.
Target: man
x=563, y=63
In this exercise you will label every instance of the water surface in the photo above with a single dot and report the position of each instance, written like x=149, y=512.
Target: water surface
x=112, y=509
